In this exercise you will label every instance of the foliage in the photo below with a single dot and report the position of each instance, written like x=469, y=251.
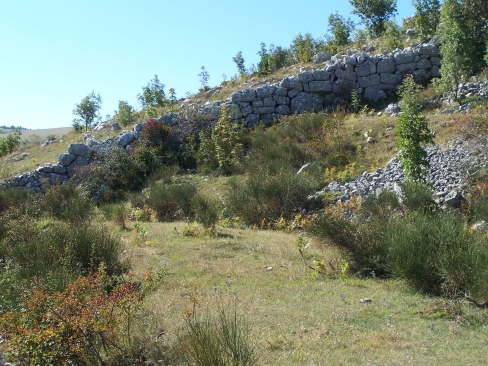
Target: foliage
x=206, y=210
x=275, y=59
x=221, y=342
x=87, y=110
x=10, y=143
x=340, y=29
x=239, y=61
x=152, y=96
x=116, y=171
x=464, y=32
x=266, y=196
x=155, y=132
x=436, y=253
x=126, y=113
x=412, y=131
x=172, y=201
x=82, y=325
x=374, y=13
x=303, y=48
x=58, y=251
x=204, y=78
x=222, y=147
x=393, y=36
x=427, y=18
x=67, y=202
x=172, y=96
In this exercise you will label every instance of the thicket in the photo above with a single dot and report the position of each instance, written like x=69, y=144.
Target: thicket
x=10, y=143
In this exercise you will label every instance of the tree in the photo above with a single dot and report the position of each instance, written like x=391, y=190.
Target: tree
x=264, y=66
x=374, y=13
x=470, y=20
x=303, y=48
x=204, y=77
x=239, y=61
x=412, y=131
x=427, y=17
x=126, y=113
x=87, y=110
x=340, y=29
x=172, y=96
x=153, y=94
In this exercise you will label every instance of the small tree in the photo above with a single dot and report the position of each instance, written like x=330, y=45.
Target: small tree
x=340, y=28
x=303, y=48
x=126, y=113
x=427, y=17
x=172, y=96
x=152, y=96
x=412, y=131
x=374, y=13
x=239, y=61
x=87, y=110
x=204, y=77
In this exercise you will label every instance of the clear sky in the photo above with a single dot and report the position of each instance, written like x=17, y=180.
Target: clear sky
x=55, y=52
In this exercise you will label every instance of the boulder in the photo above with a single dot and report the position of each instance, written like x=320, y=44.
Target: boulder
x=80, y=150
x=368, y=81
x=320, y=86
x=66, y=159
x=169, y=119
x=246, y=95
x=126, y=138
x=404, y=57
x=305, y=102
x=322, y=57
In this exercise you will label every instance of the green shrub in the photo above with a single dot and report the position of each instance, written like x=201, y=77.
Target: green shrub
x=14, y=198
x=10, y=143
x=66, y=202
x=418, y=196
x=172, y=201
x=266, y=196
x=206, y=210
x=58, y=252
x=436, y=253
x=221, y=342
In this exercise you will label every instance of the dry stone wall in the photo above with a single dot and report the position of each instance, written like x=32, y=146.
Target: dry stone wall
x=373, y=77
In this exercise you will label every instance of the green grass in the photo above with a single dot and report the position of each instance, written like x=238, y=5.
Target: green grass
x=297, y=317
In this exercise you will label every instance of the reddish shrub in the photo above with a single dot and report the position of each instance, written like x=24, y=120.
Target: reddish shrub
x=156, y=132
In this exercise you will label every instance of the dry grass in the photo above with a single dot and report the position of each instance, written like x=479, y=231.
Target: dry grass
x=298, y=318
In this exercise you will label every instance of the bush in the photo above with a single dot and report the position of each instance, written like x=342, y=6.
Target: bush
x=436, y=253
x=81, y=325
x=57, y=252
x=155, y=132
x=172, y=201
x=67, y=203
x=206, y=210
x=266, y=196
x=10, y=143
x=221, y=342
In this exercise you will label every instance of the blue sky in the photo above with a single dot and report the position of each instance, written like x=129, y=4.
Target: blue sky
x=53, y=53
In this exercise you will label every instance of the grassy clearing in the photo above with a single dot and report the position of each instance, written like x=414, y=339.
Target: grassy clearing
x=297, y=317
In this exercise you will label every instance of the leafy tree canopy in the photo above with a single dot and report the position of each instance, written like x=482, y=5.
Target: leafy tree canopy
x=87, y=110
x=374, y=13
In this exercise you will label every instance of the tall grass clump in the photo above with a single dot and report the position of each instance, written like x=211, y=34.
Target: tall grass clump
x=206, y=210
x=217, y=342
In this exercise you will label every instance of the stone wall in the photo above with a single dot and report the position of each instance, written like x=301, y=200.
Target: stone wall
x=373, y=77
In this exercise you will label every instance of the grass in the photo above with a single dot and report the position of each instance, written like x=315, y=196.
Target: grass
x=297, y=317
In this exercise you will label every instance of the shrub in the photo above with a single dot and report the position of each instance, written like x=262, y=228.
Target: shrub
x=67, y=203
x=436, y=253
x=58, y=252
x=221, y=342
x=155, y=132
x=206, y=210
x=266, y=196
x=80, y=325
x=172, y=201
x=10, y=143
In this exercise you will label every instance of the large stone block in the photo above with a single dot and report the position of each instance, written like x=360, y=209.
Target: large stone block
x=246, y=95
x=404, y=57
x=265, y=91
x=282, y=109
x=305, y=102
x=423, y=64
x=429, y=50
x=368, y=81
x=66, y=159
x=405, y=68
x=366, y=68
x=322, y=57
x=305, y=77
x=320, y=86
x=321, y=75
x=386, y=66
x=391, y=78
x=80, y=150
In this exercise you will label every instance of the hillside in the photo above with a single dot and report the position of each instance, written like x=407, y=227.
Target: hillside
x=332, y=211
